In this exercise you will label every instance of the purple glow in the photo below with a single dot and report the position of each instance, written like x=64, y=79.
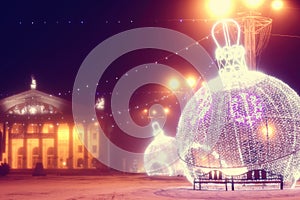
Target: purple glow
x=246, y=108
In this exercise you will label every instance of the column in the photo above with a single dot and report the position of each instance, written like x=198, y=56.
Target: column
x=24, y=162
x=70, y=159
x=3, y=143
x=8, y=132
x=85, y=142
x=40, y=136
x=55, y=146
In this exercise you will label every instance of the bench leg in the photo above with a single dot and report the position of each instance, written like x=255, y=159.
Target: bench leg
x=199, y=187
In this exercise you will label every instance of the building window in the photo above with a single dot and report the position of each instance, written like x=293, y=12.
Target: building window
x=50, y=157
x=94, y=136
x=96, y=163
x=79, y=162
x=32, y=128
x=80, y=149
x=20, y=158
x=48, y=128
x=17, y=128
x=35, y=156
x=94, y=148
x=21, y=151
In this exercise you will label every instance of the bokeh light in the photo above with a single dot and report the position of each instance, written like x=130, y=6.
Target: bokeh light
x=174, y=84
x=277, y=4
x=220, y=8
x=253, y=4
x=166, y=110
x=191, y=81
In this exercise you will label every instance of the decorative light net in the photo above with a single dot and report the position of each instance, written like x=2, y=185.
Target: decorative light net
x=251, y=122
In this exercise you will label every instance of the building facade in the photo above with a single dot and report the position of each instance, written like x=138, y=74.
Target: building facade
x=38, y=127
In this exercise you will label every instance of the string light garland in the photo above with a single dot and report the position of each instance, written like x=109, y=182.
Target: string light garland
x=101, y=95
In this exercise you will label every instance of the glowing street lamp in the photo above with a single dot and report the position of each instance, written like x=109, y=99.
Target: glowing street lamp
x=220, y=8
x=253, y=4
x=277, y=4
x=191, y=81
x=174, y=84
x=145, y=111
x=156, y=113
x=166, y=110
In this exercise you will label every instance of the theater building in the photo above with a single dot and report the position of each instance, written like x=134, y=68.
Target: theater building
x=38, y=127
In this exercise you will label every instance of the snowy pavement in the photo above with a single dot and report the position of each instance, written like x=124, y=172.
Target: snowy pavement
x=18, y=187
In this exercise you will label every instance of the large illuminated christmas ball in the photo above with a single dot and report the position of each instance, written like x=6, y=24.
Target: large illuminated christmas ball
x=160, y=157
x=251, y=122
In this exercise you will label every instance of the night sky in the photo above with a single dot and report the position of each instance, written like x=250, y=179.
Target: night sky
x=51, y=39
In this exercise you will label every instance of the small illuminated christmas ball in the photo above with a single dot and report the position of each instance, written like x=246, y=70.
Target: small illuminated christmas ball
x=251, y=121
x=160, y=157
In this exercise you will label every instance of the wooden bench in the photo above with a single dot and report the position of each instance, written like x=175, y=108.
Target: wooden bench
x=214, y=176
x=258, y=176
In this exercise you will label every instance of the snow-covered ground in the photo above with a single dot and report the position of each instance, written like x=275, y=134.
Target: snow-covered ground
x=125, y=187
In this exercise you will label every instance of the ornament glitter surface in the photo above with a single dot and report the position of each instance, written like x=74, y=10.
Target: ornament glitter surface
x=250, y=127
x=160, y=157
x=251, y=121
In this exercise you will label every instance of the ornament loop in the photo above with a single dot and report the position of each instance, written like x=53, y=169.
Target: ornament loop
x=230, y=56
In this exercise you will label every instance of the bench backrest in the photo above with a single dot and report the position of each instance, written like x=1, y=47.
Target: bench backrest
x=215, y=175
x=256, y=174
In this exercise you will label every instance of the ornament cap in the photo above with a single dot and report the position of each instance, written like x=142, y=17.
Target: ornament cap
x=230, y=56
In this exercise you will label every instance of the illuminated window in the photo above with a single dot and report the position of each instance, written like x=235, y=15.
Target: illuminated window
x=95, y=162
x=94, y=136
x=50, y=157
x=32, y=128
x=20, y=157
x=35, y=156
x=48, y=128
x=94, y=149
x=80, y=149
x=17, y=128
x=80, y=162
x=50, y=151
